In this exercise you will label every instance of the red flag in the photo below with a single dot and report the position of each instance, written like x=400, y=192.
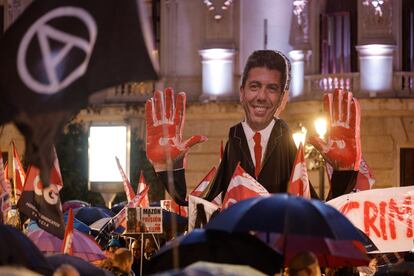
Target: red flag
x=127, y=185
x=20, y=177
x=67, y=240
x=365, y=179
x=120, y=218
x=141, y=187
x=55, y=175
x=299, y=181
x=201, y=187
x=5, y=204
x=242, y=186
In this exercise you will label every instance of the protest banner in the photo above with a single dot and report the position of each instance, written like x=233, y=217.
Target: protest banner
x=385, y=215
x=200, y=212
x=146, y=220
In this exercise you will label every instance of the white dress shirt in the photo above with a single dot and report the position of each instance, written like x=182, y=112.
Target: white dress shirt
x=265, y=135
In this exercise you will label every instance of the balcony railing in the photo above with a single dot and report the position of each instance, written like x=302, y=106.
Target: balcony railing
x=316, y=85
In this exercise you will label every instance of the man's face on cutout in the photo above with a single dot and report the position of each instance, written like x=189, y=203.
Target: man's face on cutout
x=261, y=96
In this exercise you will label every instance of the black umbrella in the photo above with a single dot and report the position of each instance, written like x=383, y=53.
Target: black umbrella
x=19, y=250
x=302, y=224
x=116, y=208
x=89, y=215
x=84, y=268
x=168, y=219
x=218, y=247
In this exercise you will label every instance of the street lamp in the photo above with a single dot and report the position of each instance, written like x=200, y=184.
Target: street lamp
x=314, y=158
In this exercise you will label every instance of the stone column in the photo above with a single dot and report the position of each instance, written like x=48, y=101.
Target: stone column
x=376, y=68
x=217, y=74
x=298, y=72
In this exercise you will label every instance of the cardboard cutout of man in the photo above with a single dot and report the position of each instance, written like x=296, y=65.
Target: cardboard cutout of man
x=267, y=156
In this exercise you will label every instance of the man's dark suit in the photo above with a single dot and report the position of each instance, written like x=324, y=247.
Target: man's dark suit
x=276, y=166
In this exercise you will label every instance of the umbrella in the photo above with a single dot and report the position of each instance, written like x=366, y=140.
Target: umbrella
x=84, y=268
x=168, y=218
x=77, y=224
x=211, y=269
x=83, y=246
x=73, y=204
x=116, y=208
x=303, y=224
x=89, y=215
x=18, y=250
x=97, y=226
x=218, y=247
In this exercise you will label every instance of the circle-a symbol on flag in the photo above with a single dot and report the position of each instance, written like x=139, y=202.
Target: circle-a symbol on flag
x=49, y=57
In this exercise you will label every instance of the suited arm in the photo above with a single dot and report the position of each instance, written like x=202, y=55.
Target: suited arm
x=179, y=190
x=222, y=179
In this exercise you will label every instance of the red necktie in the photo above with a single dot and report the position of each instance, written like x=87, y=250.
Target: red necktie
x=257, y=153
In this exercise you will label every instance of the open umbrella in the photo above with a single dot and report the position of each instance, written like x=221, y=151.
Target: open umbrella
x=218, y=247
x=302, y=224
x=18, y=250
x=77, y=224
x=89, y=215
x=84, y=268
x=73, y=204
x=116, y=208
x=83, y=245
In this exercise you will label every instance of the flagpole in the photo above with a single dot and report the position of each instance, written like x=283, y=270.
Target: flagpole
x=13, y=173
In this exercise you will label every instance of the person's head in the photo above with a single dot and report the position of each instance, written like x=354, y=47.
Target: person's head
x=265, y=80
x=66, y=270
x=113, y=245
x=304, y=263
x=122, y=259
x=136, y=249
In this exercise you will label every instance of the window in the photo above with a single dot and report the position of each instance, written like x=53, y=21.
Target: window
x=338, y=37
x=406, y=166
x=408, y=35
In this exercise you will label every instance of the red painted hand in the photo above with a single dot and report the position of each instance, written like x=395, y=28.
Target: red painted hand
x=165, y=123
x=343, y=147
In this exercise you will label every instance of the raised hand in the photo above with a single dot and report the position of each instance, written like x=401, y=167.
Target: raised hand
x=343, y=147
x=165, y=123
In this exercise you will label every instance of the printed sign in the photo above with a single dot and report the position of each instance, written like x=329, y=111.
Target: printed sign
x=144, y=220
x=385, y=215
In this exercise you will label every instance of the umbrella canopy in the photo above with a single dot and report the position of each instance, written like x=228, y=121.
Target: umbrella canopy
x=77, y=224
x=169, y=217
x=83, y=246
x=18, y=250
x=97, y=226
x=303, y=224
x=89, y=215
x=218, y=247
x=84, y=268
x=73, y=204
x=118, y=207
x=211, y=269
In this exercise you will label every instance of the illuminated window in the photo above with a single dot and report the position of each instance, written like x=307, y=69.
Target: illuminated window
x=106, y=142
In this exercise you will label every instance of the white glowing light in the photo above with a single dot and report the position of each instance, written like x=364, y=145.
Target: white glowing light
x=106, y=142
x=321, y=127
x=300, y=136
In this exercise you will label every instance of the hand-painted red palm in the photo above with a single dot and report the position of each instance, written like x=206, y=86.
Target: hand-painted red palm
x=343, y=147
x=165, y=123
